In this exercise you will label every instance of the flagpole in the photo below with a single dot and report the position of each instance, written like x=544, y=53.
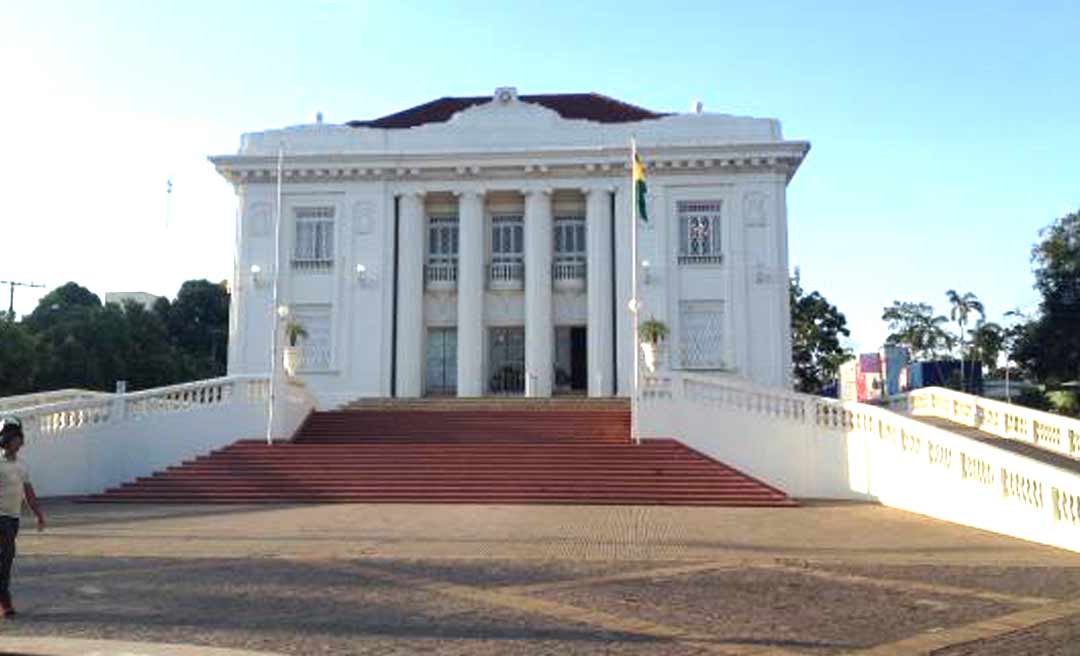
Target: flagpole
x=634, y=433
x=274, y=317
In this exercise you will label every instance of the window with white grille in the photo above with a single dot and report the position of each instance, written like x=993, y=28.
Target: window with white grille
x=701, y=334
x=316, y=350
x=699, y=232
x=313, y=248
x=442, y=249
x=507, y=248
x=569, y=246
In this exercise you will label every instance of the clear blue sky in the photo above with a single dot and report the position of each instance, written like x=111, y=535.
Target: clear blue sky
x=944, y=135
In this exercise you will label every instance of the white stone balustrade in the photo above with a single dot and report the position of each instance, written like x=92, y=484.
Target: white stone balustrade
x=506, y=275
x=1042, y=429
x=822, y=448
x=442, y=275
x=84, y=446
x=12, y=404
x=568, y=270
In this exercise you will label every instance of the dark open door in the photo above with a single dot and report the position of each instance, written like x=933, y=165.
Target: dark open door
x=579, y=369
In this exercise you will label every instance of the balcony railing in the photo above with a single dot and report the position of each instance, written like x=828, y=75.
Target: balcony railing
x=440, y=275
x=701, y=259
x=568, y=272
x=507, y=275
x=312, y=264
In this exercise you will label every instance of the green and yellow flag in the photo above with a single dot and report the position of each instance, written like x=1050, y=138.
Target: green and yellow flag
x=639, y=186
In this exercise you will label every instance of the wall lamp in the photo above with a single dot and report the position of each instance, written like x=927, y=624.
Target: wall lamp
x=256, y=275
x=363, y=276
x=646, y=268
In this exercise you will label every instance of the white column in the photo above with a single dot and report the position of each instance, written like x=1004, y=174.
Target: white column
x=780, y=236
x=410, y=315
x=470, y=288
x=599, y=276
x=539, y=326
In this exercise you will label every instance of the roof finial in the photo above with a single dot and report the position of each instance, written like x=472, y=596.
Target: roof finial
x=505, y=94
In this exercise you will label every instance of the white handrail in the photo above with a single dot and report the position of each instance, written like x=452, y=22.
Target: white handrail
x=1042, y=429
x=55, y=418
x=10, y=404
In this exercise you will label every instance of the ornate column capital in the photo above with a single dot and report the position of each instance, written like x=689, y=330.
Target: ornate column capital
x=411, y=192
x=600, y=189
x=538, y=191
x=470, y=191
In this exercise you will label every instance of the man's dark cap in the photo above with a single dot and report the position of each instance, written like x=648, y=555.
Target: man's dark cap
x=10, y=425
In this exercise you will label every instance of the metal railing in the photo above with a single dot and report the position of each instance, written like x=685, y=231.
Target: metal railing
x=311, y=265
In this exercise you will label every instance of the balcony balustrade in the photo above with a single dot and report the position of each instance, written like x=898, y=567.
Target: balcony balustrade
x=440, y=275
x=568, y=273
x=312, y=264
x=507, y=275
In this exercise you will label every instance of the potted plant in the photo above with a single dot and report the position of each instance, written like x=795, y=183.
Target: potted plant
x=294, y=332
x=652, y=332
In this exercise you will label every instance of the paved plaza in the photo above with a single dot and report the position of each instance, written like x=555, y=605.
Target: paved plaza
x=827, y=578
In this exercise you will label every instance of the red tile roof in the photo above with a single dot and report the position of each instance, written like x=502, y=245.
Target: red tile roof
x=589, y=106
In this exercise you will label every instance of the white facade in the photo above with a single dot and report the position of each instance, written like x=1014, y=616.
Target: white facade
x=491, y=252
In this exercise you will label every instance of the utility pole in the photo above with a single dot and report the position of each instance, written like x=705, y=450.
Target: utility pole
x=12, y=284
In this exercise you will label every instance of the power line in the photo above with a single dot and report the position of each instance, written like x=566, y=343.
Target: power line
x=12, y=284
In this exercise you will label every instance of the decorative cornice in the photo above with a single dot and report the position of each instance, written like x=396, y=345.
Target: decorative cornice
x=782, y=157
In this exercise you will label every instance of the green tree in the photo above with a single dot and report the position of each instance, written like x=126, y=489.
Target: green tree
x=988, y=341
x=1050, y=347
x=816, y=328
x=963, y=306
x=915, y=326
x=198, y=324
x=151, y=359
x=18, y=359
x=65, y=303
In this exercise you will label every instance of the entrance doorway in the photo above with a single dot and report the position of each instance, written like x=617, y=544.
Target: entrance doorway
x=571, y=363
x=507, y=349
x=441, y=366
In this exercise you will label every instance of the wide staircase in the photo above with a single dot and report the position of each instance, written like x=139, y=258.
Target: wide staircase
x=512, y=451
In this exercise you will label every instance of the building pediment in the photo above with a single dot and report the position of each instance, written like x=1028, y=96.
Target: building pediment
x=504, y=111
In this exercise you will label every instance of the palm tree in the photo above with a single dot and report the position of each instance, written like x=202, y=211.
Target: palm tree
x=962, y=307
x=915, y=326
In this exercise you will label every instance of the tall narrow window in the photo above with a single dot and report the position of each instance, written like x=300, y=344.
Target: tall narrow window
x=699, y=232
x=313, y=247
x=507, y=249
x=701, y=334
x=569, y=245
x=442, y=260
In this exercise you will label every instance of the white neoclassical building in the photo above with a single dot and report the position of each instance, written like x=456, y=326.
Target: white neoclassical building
x=471, y=244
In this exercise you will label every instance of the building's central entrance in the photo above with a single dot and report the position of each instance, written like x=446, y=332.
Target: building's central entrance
x=507, y=349
x=571, y=364
x=441, y=374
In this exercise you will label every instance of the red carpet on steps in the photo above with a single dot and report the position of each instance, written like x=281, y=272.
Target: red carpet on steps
x=571, y=453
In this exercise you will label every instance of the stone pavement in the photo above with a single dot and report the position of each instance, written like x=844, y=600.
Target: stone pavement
x=827, y=578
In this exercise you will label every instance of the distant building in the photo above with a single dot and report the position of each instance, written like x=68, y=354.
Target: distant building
x=945, y=373
x=863, y=378
x=142, y=298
